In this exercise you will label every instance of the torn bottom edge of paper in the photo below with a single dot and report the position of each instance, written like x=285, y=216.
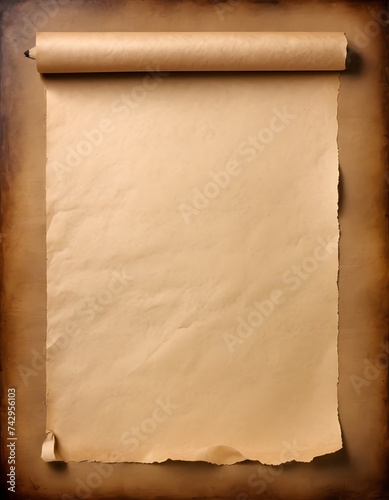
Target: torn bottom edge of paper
x=192, y=246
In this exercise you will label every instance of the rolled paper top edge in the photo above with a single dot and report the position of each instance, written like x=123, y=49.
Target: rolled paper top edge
x=88, y=52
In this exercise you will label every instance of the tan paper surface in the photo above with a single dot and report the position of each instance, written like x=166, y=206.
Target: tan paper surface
x=192, y=266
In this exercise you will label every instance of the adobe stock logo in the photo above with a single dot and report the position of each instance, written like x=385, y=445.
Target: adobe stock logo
x=90, y=140
x=292, y=279
x=267, y=474
x=372, y=370
x=84, y=313
x=372, y=28
x=140, y=433
x=247, y=151
x=86, y=487
x=226, y=7
x=93, y=480
x=40, y=17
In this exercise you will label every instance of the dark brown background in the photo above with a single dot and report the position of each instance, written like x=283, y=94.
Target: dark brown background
x=359, y=469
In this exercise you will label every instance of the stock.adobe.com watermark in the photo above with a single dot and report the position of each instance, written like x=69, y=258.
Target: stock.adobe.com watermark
x=372, y=370
x=226, y=7
x=292, y=279
x=138, y=434
x=91, y=139
x=363, y=35
x=84, y=313
x=11, y=440
x=264, y=475
x=246, y=152
x=40, y=17
x=84, y=487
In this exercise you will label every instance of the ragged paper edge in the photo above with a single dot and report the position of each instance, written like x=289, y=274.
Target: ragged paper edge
x=49, y=453
x=48, y=449
x=207, y=455
x=339, y=236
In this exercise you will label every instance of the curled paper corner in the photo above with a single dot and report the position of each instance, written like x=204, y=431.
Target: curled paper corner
x=48, y=449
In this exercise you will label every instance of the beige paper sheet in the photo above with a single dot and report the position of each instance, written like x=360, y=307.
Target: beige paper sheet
x=192, y=240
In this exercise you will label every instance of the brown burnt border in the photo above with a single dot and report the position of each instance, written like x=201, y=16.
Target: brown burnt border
x=10, y=168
